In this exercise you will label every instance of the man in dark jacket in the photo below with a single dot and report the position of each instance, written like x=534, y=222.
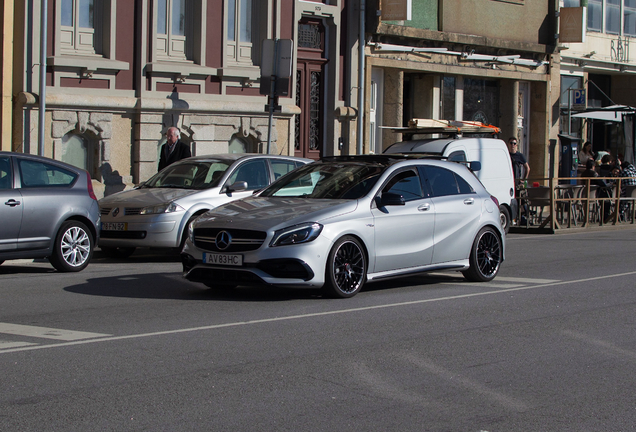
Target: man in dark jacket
x=173, y=150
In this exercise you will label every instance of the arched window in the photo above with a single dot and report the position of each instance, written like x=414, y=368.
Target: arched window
x=76, y=151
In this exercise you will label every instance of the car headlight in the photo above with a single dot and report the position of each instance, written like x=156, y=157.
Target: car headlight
x=296, y=234
x=161, y=208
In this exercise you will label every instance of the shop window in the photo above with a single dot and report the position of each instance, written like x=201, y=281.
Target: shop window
x=448, y=98
x=481, y=101
x=246, y=28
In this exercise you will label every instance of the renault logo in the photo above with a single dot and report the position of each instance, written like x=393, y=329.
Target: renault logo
x=115, y=211
x=223, y=240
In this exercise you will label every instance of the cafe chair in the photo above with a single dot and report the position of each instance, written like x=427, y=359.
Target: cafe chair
x=538, y=198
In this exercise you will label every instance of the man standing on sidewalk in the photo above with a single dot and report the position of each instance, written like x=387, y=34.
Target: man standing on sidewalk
x=173, y=150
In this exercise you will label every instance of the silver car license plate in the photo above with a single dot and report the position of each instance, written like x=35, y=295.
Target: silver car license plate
x=223, y=259
x=114, y=226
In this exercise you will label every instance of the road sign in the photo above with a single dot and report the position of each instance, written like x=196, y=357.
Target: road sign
x=579, y=99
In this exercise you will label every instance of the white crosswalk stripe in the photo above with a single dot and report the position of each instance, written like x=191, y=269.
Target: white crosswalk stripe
x=41, y=333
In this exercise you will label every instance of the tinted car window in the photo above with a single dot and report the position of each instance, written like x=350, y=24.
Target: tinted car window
x=253, y=172
x=464, y=187
x=405, y=183
x=441, y=181
x=282, y=167
x=5, y=173
x=190, y=175
x=40, y=174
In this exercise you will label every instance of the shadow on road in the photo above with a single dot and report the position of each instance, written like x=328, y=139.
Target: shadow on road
x=172, y=286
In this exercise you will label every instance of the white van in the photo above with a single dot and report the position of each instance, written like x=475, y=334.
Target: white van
x=496, y=167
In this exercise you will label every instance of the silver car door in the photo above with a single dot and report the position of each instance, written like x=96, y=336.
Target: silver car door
x=404, y=233
x=47, y=196
x=10, y=207
x=457, y=214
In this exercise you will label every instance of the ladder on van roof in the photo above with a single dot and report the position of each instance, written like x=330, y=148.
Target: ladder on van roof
x=450, y=128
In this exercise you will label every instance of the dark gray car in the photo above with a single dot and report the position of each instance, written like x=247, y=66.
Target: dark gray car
x=48, y=210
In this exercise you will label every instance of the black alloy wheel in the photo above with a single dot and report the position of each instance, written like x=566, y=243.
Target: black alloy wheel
x=485, y=256
x=346, y=269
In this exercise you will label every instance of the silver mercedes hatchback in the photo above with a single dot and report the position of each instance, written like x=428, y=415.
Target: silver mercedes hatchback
x=49, y=210
x=157, y=213
x=340, y=222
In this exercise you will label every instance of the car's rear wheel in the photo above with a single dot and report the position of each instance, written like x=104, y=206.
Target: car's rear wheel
x=73, y=247
x=485, y=256
x=346, y=269
x=118, y=252
x=504, y=216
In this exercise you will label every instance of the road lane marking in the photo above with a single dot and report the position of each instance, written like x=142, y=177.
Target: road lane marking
x=10, y=344
x=603, y=345
x=315, y=314
x=47, y=333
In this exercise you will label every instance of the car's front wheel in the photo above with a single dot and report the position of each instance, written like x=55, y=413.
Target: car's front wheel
x=485, y=256
x=346, y=269
x=73, y=247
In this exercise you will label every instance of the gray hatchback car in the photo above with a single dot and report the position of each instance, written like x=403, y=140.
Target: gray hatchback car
x=49, y=210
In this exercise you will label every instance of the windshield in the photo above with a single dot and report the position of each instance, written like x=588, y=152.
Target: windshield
x=189, y=175
x=327, y=180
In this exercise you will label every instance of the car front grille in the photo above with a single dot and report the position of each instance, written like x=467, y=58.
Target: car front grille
x=128, y=211
x=242, y=240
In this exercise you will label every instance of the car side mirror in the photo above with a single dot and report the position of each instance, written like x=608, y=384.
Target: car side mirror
x=475, y=166
x=237, y=187
x=391, y=199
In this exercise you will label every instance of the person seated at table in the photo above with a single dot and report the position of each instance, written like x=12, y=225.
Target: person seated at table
x=628, y=178
x=586, y=153
x=605, y=170
x=604, y=189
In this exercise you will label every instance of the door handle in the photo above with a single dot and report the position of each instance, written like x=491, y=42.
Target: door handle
x=469, y=201
x=424, y=207
x=12, y=203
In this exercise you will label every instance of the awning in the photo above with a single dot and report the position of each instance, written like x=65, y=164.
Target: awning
x=612, y=113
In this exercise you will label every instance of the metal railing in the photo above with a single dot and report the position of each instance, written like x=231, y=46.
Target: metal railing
x=575, y=202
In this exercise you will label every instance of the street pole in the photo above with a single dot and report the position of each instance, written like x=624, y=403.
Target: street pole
x=272, y=92
x=43, y=22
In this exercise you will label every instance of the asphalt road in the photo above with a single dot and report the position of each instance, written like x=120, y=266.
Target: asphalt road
x=550, y=345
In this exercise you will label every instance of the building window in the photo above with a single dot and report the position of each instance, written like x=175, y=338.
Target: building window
x=238, y=145
x=80, y=28
x=595, y=15
x=246, y=28
x=613, y=16
x=174, y=25
x=76, y=151
x=629, y=17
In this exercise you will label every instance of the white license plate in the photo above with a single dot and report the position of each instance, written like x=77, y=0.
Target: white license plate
x=114, y=226
x=223, y=259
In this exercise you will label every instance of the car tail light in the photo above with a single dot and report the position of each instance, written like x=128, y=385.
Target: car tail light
x=91, y=192
x=495, y=200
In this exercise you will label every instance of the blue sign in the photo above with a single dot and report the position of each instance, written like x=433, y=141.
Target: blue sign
x=579, y=99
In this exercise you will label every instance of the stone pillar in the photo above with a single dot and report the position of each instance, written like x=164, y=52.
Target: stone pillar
x=393, y=104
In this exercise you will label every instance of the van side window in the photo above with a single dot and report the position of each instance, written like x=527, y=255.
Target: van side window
x=457, y=156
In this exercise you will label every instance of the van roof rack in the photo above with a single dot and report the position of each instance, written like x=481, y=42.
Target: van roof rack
x=446, y=127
